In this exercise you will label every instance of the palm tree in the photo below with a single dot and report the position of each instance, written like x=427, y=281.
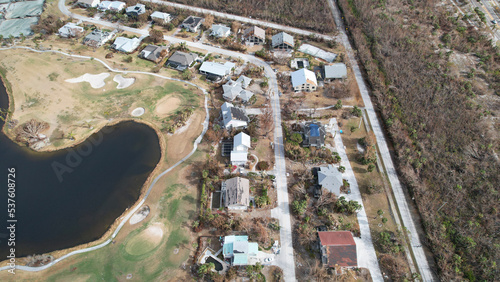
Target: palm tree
x=71, y=136
x=182, y=46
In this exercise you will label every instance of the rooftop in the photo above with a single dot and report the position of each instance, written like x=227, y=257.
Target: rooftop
x=303, y=76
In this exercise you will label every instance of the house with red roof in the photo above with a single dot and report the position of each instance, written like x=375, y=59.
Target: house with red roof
x=338, y=249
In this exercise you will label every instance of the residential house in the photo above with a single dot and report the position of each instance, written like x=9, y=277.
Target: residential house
x=282, y=41
x=233, y=89
x=238, y=250
x=70, y=30
x=314, y=134
x=241, y=143
x=330, y=178
x=255, y=35
x=335, y=71
x=136, y=10
x=236, y=193
x=244, y=81
x=180, y=60
x=127, y=45
x=215, y=71
x=338, y=249
x=153, y=53
x=220, y=31
x=88, y=3
x=161, y=18
x=97, y=38
x=115, y=6
x=233, y=117
x=192, y=23
x=304, y=80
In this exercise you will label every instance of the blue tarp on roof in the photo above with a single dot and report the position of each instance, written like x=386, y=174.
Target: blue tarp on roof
x=314, y=130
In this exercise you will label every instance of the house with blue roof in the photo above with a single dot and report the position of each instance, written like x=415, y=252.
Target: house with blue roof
x=238, y=250
x=314, y=134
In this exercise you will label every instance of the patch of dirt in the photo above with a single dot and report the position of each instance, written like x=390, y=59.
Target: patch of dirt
x=179, y=145
x=167, y=105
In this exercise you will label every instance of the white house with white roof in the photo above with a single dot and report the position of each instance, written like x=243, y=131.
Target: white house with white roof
x=88, y=3
x=126, y=45
x=161, y=18
x=115, y=6
x=216, y=71
x=304, y=80
x=233, y=117
x=241, y=143
x=220, y=31
x=70, y=30
x=233, y=89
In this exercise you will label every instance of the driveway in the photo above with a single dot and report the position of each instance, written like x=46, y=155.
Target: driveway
x=364, y=245
x=407, y=221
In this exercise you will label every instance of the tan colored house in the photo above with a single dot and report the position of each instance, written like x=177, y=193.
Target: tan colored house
x=255, y=35
x=236, y=193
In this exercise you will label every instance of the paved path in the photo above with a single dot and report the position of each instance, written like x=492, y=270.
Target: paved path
x=131, y=212
x=415, y=243
x=242, y=19
x=364, y=245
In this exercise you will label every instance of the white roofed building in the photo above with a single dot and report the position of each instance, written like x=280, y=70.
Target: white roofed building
x=241, y=143
x=216, y=71
x=125, y=44
x=115, y=6
x=220, y=31
x=161, y=18
x=88, y=3
x=304, y=80
x=234, y=89
x=233, y=117
x=70, y=30
x=255, y=35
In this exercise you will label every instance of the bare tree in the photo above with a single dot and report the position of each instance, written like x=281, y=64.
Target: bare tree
x=30, y=131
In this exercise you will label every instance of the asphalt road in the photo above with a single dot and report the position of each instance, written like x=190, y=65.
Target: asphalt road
x=242, y=19
x=415, y=243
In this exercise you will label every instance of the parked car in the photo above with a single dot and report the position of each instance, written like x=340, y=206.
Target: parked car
x=494, y=21
x=269, y=259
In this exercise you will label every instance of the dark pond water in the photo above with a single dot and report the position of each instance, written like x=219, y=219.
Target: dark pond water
x=72, y=196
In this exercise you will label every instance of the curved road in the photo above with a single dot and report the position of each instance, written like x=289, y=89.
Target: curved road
x=415, y=243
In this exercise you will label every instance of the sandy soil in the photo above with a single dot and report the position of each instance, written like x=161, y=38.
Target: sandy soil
x=137, y=112
x=154, y=233
x=95, y=80
x=179, y=145
x=167, y=104
x=123, y=82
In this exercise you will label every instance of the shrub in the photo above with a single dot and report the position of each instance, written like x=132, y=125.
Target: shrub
x=262, y=165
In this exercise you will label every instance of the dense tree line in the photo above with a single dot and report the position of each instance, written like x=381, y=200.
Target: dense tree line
x=309, y=14
x=444, y=138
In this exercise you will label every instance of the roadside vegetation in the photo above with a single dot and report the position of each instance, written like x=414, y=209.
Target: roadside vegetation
x=440, y=117
x=293, y=13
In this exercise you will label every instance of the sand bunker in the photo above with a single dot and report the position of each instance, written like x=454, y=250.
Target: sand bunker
x=122, y=81
x=167, y=105
x=137, y=112
x=140, y=215
x=145, y=241
x=95, y=80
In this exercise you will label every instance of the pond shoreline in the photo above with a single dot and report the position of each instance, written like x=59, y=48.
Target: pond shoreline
x=143, y=189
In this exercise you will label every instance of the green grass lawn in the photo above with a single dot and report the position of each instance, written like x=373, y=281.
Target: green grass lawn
x=135, y=256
